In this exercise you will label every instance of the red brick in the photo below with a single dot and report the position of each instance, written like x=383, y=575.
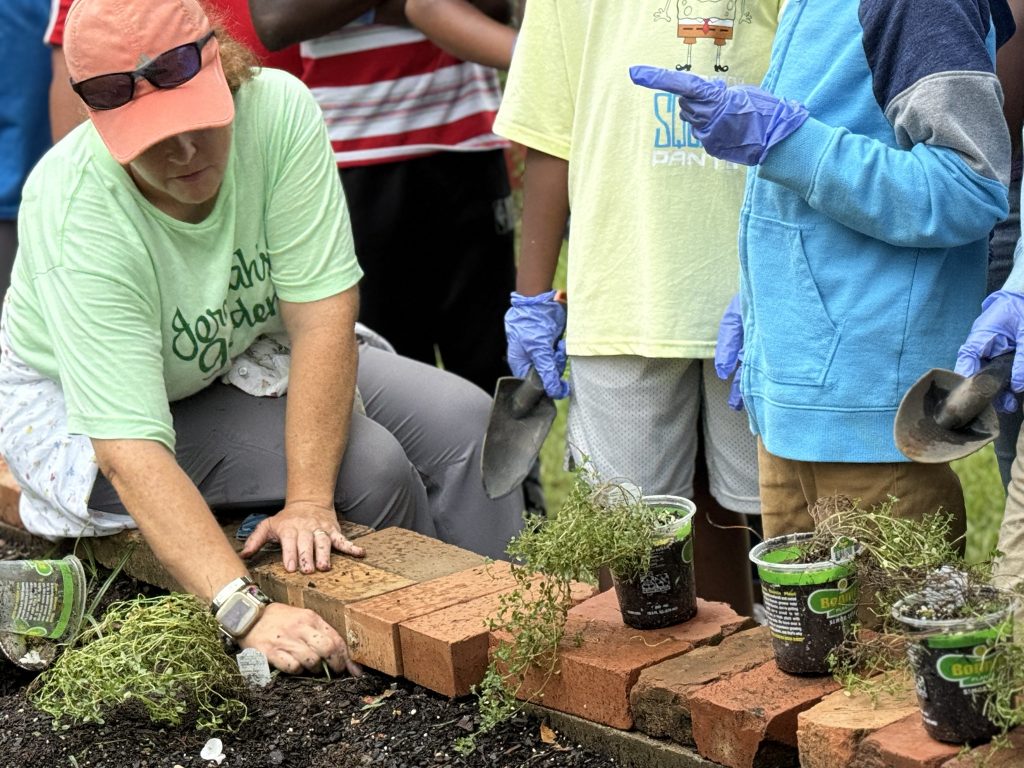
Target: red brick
x=829, y=733
x=414, y=555
x=447, y=650
x=596, y=676
x=904, y=744
x=990, y=756
x=749, y=719
x=348, y=581
x=143, y=565
x=372, y=624
x=660, y=700
x=712, y=622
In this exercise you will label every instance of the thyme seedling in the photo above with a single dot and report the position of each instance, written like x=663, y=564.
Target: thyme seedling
x=162, y=655
x=599, y=524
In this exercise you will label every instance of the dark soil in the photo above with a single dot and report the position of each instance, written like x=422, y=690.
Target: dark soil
x=345, y=722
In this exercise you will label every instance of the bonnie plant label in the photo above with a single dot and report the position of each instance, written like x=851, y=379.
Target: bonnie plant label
x=834, y=602
x=37, y=598
x=967, y=670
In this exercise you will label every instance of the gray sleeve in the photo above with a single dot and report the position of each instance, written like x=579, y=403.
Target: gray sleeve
x=958, y=110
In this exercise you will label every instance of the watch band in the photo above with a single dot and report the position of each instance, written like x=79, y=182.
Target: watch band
x=227, y=590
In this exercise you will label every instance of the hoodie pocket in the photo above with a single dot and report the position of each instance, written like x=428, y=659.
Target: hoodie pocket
x=792, y=338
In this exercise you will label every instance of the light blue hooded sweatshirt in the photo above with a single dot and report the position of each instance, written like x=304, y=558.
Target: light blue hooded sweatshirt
x=863, y=236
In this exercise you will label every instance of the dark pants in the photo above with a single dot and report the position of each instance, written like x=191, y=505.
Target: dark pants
x=434, y=236
x=8, y=247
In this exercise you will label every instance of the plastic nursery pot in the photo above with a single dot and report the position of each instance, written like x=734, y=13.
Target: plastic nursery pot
x=41, y=605
x=665, y=594
x=809, y=606
x=952, y=661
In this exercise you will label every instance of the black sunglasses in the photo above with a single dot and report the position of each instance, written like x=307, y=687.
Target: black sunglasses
x=168, y=70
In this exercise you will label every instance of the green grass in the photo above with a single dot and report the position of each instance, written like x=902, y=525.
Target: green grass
x=983, y=491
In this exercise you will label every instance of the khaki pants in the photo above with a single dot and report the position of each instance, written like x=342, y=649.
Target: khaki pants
x=789, y=487
x=1009, y=569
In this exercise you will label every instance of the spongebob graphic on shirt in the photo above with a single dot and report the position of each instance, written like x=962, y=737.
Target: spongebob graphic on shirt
x=697, y=20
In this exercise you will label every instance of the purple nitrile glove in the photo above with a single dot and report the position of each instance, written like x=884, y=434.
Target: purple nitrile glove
x=729, y=351
x=738, y=123
x=533, y=328
x=998, y=329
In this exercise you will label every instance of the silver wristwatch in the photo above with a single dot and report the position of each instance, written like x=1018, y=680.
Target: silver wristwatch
x=238, y=605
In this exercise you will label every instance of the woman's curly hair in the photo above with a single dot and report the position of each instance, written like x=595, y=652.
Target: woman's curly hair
x=238, y=61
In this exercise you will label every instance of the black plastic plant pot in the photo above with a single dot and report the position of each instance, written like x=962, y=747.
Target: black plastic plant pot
x=952, y=662
x=809, y=606
x=665, y=594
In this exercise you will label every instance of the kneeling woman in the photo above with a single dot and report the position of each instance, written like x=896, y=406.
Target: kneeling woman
x=183, y=253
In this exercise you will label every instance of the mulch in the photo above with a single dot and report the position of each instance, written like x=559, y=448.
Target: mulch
x=304, y=722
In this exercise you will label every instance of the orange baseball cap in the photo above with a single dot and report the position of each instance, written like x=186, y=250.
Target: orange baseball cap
x=107, y=36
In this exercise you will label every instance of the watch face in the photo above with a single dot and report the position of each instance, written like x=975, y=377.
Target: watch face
x=238, y=614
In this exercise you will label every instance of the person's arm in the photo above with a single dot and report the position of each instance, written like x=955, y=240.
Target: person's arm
x=464, y=30
x=280, y=23
x=66, y=109
x=945, y=184
x=1010, y=68
x=545, y=211
x=321, y=389
x=173, y=517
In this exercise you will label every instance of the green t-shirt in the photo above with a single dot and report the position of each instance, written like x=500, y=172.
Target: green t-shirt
x=653, y=242
x=130, y=309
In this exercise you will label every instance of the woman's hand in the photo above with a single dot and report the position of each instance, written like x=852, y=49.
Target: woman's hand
x=307, y=533
x=296, y=639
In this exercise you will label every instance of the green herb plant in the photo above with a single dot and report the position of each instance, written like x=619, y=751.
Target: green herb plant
x=160, y=656
x=600, y=524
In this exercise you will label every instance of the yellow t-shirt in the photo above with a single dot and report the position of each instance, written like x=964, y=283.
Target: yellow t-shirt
x=652, y=245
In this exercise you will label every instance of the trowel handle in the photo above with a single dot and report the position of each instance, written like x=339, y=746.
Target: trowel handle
x=528, y=394
x=970, y=397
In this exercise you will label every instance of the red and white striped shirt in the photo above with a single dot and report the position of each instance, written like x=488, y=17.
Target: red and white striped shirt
x=389, y=94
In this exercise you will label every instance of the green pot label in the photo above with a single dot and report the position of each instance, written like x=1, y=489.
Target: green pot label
x=688, y=551
x=968, y=670
x=834, y=602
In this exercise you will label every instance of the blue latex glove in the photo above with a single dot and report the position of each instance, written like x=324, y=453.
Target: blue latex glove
x=729, y=351
x=533, y=327
x=739, y=124
x=998, y=329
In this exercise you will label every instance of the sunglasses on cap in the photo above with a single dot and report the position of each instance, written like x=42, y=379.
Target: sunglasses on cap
x=168, y=70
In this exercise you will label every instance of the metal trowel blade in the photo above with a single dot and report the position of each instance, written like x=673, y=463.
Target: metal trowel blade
x=919, y=436
x=521, y=417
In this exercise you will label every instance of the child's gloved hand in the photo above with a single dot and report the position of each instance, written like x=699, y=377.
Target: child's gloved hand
x=533, y=328
x=729, y=351
x=739, y=123
x=998, y=329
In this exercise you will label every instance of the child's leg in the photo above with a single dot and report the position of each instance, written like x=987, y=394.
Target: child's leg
x=725, y=491
x=637, y=419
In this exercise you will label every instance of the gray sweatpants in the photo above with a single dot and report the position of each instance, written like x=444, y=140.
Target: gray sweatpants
x=412, y=461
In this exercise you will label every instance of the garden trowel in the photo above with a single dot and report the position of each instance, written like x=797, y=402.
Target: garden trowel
x=946, y=416
x=521, y=416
